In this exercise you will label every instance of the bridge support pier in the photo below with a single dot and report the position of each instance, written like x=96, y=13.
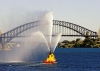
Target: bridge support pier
x=1, y=46
x=0, y=39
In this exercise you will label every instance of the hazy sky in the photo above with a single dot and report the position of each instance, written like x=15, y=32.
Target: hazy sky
x=85, y=13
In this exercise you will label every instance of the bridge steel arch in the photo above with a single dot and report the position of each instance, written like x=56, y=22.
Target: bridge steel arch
x=82, y=31
x=8, y=36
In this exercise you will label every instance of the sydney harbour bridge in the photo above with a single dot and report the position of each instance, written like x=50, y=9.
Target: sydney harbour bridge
x=66, y=28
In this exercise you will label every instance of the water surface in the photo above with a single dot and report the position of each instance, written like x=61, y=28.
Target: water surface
x=69, y=59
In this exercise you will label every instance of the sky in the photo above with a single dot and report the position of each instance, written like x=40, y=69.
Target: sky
x=85, y=13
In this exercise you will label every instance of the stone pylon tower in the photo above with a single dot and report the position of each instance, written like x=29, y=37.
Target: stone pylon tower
x=0, y=39
x=88, y=33
x=0, y=32
x=99, y=33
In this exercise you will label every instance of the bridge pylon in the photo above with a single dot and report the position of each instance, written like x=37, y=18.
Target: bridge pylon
x=1, y=39
x=88, y=34
x=99, y=33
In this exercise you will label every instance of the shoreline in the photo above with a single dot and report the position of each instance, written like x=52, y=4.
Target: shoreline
x=79, y=43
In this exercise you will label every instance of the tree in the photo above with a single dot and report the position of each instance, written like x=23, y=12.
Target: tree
x=78, y=39
x=88, y=42
x=65, y=41
x=73, y=41
x=78, y=44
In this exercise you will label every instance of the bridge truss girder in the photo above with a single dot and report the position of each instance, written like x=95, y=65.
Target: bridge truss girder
x=8, y=36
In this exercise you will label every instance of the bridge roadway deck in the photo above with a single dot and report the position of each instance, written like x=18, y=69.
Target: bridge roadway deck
x=54, y=35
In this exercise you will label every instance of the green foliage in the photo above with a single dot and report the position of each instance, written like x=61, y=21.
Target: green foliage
x=78, y=44
x=87, y=42
x=78, y=39
x=70, y=45
x=73, y=41
x=65, y=41
x=63, y=46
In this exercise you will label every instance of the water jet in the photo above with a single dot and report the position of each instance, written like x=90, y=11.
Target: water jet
x=36, y=47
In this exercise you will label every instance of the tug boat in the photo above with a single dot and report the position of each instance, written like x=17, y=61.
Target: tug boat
x=50, y=59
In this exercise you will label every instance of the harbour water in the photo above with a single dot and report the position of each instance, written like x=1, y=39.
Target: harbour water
x=68, y=59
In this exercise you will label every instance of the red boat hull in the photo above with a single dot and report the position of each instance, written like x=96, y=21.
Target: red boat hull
x=49, y=62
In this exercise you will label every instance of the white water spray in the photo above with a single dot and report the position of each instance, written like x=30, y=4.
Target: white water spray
x=38, y=44
x=46, y=23
x=55, y=41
